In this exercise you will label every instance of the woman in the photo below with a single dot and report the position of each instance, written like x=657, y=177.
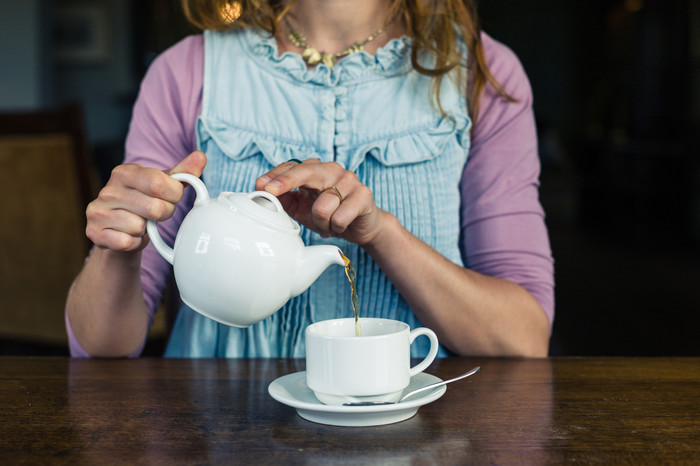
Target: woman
x=420, y=123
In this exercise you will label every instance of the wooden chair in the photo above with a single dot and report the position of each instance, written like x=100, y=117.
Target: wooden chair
x=47, y=181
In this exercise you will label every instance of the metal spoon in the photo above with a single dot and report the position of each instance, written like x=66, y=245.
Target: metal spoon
x=418, y=390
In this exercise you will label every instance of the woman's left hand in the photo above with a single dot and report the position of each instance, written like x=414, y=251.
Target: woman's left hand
x=306, y=190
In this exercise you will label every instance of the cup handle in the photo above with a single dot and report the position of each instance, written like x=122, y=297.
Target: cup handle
x=202, y=197
x=421, y=366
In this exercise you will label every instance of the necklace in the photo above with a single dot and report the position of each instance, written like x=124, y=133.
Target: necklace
x=312, y=56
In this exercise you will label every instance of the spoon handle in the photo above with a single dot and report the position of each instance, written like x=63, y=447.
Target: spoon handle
x=418, y=390
x=439, y=384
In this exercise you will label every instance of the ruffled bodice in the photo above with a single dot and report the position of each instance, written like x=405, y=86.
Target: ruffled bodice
x=370, y=113
x=390, y=60
x=365, y=105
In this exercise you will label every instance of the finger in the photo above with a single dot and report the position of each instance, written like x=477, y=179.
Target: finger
x=330, y=202
x=354, y=209
x=335, y=191
x=279, y=169
x=149, y=181
x=123, y=235
x=298, y=204
x=113, y=198
x=120, y=241
x=316, y=176
x=119, y=220
x=193, y=164
x=354, y=206
x=322, y=211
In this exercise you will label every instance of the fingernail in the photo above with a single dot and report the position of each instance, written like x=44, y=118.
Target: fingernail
x=264, y=179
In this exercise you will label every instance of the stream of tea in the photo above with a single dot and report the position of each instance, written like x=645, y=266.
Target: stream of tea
x=352, y=276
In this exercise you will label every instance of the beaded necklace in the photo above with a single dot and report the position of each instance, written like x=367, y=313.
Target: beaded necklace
x=312, y=56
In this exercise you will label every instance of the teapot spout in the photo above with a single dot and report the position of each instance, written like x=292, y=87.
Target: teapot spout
x=313, y=260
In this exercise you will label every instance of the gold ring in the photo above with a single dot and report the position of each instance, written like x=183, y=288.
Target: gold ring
x=335, y=191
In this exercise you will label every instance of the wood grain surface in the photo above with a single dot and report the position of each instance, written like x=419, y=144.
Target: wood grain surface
x=209, y=411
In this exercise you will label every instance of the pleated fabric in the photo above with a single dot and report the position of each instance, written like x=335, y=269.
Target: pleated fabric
x=370, y=113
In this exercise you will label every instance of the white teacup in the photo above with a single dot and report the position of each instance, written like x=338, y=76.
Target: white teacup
x=342, y=368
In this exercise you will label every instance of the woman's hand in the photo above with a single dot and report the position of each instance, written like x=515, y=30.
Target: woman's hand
x=471, y=313
x=116, y=220
x=307, y=194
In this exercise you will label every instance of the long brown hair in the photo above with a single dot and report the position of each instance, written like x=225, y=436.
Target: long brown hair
x=433, y=25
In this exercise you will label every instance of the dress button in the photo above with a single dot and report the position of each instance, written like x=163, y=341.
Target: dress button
x=341, y=140
x=340, y=115
x=340, y=91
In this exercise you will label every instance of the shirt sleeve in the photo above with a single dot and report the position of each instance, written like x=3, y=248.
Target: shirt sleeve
x=161, y=133
x=503, y=223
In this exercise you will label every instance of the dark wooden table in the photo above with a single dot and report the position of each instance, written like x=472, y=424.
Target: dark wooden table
x=601, y=410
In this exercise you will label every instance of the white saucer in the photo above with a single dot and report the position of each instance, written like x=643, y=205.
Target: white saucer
x=291, y=390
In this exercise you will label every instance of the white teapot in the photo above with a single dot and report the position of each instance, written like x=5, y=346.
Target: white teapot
x=238, y=258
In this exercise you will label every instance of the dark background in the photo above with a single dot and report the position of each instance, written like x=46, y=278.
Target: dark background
x=617, y=101
x=616, y=98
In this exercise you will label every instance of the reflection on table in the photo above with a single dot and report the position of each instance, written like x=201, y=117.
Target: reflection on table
x=213, y=411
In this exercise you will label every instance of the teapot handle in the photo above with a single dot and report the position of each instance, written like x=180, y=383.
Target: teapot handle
x=202, y=198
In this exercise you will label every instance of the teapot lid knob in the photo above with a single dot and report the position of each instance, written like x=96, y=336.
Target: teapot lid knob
x=265, y=202
x=265, y=207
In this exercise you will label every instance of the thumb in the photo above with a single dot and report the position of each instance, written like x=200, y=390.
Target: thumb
x=193, y=164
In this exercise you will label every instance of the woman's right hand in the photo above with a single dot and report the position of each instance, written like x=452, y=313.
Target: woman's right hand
x=116, y=220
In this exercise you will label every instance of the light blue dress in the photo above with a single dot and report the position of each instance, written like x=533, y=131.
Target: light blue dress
x=370, y=113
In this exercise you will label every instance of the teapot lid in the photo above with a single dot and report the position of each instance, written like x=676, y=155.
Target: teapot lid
x=263, y=207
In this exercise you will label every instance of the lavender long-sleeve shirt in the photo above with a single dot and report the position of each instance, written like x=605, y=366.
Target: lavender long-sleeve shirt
x=504, y=233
